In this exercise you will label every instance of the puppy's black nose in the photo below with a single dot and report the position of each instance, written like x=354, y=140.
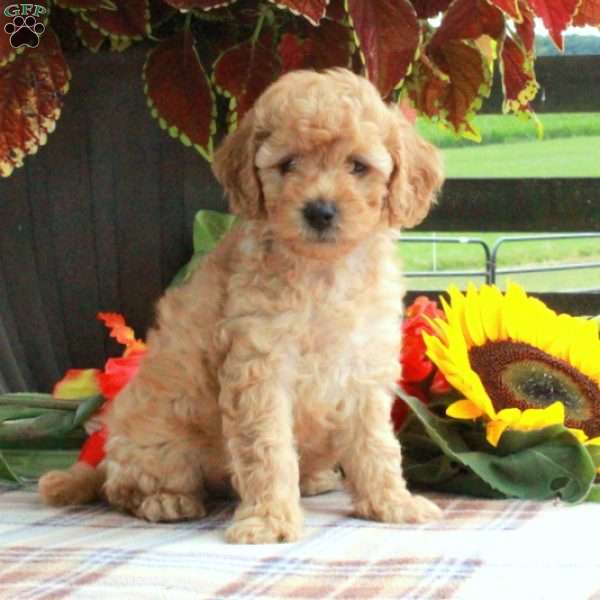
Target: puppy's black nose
x=320, y=214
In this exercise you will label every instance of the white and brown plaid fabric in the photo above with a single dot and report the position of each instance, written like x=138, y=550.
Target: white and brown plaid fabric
x=482, y=549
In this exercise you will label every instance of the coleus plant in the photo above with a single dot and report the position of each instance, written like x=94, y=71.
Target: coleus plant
x=210, y=59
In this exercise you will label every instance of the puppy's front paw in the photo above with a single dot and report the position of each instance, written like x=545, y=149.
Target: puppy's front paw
x=262, y=530
x=406, y=509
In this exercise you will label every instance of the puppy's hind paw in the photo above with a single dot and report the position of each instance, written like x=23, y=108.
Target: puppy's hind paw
x=407, y=509
x=78, y=485
x=261, y=530
x=321, y=483
x=166, y=507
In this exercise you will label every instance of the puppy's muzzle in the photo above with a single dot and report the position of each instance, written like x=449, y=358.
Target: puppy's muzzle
x=320, y=214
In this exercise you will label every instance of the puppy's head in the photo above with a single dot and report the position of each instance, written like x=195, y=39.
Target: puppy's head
x=327, y=162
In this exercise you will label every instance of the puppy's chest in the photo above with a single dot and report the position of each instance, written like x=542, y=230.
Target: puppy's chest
x=340, y=340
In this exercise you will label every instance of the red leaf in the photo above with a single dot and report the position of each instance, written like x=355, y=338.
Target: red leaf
x=526, y=28
x=130, y=20
x=328, y=45
x=456, y=92
x=90, y=37
x=243, y=72
x=293, y=52
x=430, y=8
x=556, y=15
x=509, y=7
x=313, y=10
x=31, y=92
x=469, y=19
x=332, y=44
x=388, y=35
x=179, y=92
x=588, y=14
x=201, y=4
x=518, y=77
x=87, y=4
x=336, y=11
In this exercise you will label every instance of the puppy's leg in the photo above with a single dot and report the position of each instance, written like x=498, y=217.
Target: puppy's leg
x=372, y=464
x=154, y=463
x=257, y=425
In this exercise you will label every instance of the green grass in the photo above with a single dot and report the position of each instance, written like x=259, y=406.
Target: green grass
x=510, y=147
x=420, y=257
x=497, y=129
x=566, y=157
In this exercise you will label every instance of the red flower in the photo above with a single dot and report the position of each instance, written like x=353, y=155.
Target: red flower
x=118, y=372
x=420, y=377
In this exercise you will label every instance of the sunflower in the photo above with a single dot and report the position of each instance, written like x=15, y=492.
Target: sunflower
x=517, y=363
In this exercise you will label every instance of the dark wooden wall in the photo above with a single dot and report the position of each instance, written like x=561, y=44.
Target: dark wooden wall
x=100, y=219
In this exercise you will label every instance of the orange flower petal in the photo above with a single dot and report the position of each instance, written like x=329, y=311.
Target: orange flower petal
x=121, y=332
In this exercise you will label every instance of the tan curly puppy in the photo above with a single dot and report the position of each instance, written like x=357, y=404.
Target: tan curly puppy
x=276, y=362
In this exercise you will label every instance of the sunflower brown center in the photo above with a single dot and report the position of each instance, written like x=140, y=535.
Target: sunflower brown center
x=517, y=375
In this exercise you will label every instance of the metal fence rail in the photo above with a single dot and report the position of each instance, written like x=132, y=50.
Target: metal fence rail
x=490, y=256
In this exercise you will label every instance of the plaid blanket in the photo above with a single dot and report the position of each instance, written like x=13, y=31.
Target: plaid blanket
x=481, y=549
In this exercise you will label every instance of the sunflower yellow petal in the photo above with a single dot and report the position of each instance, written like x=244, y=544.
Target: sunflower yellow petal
x=538, y=418
x=580, y=435
x=509, y=415
x=514, y=311
x=494, y=431
x=491, y=300
x=464, y=409
x=559, y=347
x=473, y=316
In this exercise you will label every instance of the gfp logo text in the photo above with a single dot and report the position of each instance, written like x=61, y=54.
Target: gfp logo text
x=22, y=10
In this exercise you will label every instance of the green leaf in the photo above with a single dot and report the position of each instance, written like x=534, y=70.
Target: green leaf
x=6, y=473
x=594, y=495
x=27, y=421
x=86, y=407
x=536, y=465
x=209, y=227
x=24, y=466
x=39, y=433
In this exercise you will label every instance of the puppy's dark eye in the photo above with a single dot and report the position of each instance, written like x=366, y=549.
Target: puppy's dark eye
x=286, y=166
x=358, y=167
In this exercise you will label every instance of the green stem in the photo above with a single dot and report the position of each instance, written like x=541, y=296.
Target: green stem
x=258, y=28
x=40, y=401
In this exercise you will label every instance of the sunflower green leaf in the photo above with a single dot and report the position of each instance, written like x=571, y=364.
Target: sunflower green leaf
x=536, y=465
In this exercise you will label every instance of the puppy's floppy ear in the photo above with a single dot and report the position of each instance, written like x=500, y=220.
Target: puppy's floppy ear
x=417, y=175
x=233, y=166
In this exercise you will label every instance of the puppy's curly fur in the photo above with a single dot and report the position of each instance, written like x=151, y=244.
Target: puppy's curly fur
x=275, y=363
